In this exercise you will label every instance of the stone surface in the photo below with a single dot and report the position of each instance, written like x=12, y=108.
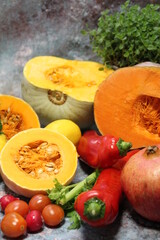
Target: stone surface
x=29, y=28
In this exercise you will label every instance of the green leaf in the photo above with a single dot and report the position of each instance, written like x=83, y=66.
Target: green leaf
x=57, y=192
x=121, y=46
x=0, y=125
x=128, y=36
x=66, y=195
x=150, y=48
x=101, y=69
x=126, y=54
x=74, y=219
x=83, y=32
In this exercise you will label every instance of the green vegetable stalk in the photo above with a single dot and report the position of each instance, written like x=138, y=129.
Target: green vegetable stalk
x=129, y=36
x=65, y=196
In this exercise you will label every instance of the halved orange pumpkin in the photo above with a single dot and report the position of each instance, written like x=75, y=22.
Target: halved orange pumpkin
x=127, y=105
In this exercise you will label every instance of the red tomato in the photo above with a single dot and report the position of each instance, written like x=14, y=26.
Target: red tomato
x=5, y=200
x=13, y=225
x=38, y=202
x=53, y=215
x=18, y=206
x=34, y=221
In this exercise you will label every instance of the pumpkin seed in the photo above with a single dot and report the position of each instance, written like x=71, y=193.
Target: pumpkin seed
x=36, y=159
x=56, y=171
x=40, y=170
x=50, y=164
x=43, y=145
x=32, y=174
x=49, y=169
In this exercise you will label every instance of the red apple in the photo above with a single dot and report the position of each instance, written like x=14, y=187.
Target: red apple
x=140, y=179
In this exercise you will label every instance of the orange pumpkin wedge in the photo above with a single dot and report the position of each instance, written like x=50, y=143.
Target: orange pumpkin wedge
x=127, y=105
x=16, y=115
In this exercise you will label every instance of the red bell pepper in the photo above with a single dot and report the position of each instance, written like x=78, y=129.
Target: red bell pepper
x=100, y=205
x=101, y=151
x=122, y=161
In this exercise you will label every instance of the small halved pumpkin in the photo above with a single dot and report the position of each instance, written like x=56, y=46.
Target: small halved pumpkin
x=33, y=158
x=127, y=105
x=16, y=115
x=59, y=88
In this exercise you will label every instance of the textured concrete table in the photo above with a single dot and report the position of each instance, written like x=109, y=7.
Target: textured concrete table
x=30, y=28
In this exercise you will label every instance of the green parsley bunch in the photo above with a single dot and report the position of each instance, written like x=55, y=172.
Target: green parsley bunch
x=129, y=36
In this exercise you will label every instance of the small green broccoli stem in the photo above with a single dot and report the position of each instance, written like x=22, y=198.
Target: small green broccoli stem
x=78, y=188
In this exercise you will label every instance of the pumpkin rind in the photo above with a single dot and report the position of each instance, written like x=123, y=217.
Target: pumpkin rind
x=127, y=104
x=59, y=88
x=24, y=184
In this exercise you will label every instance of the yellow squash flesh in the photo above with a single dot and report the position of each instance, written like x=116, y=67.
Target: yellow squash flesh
x=15, y=115
x=27, y=184
x=59, y=88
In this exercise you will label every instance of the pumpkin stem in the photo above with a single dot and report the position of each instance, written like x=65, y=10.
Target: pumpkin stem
x=123, y=147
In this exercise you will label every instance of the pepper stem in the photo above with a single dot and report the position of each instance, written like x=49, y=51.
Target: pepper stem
x=94, y=209
x=123, y=147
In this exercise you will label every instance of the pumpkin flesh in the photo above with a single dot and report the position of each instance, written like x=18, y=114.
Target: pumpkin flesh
x=78, y=79
x=34, y=158
x=16, y=115
x=127, y=105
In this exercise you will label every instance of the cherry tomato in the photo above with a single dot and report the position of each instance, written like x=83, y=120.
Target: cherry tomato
x=34, y=221
x=18, y=206
x=13, y=225
x=38, y=202
x=53, y=215
x=5, y=200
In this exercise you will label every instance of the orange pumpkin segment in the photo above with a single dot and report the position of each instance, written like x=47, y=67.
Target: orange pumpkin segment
x=127, y=105
x=16, y=115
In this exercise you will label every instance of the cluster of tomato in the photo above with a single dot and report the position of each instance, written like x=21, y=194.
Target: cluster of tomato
x=21, y=217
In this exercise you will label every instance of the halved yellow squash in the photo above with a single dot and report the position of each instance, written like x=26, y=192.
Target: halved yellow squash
x=16, y=115
x=32, y=159
x=59, y=88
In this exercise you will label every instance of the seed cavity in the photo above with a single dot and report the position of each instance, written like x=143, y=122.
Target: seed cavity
x=146, y=113
x=12, y=122
x=39, y=159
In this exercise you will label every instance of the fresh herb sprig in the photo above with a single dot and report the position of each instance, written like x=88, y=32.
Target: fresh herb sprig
x=65, y=196
x=129, y=36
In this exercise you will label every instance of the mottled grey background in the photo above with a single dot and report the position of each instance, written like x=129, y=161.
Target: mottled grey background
x=45, y=27
x=29, y=28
